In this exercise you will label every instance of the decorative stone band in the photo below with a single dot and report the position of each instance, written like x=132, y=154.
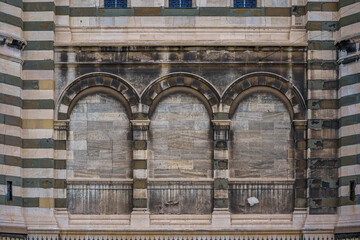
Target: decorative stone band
x=194, y=82
x=165, y=11
x=12, y=41
x=281, y=87
x=181, y=235
x=113, y=83
x=140, y=107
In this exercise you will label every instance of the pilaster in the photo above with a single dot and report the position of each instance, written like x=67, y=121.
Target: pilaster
x=140, y=214
x=221, y=214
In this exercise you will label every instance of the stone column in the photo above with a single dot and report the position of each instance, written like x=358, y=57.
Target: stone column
x=61, y=129
x=221, y=214
x=300, y=205
x=140, y=214
x=300, y=163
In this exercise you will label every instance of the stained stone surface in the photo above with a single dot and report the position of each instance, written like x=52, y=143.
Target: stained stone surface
x=180, y=138
x=99, y=198
x=181, y=198
x=274, y=198
x=260, y=139
x=99, y=146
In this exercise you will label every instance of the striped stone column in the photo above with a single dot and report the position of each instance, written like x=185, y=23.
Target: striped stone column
x=221, y=130
x=11, y=50
x=348, y=43
x=40, y=179
x=322, y=108
x=140, y=212
x=61, y=129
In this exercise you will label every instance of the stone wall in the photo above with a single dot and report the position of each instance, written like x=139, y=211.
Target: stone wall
x=99, y=144
x=180, y=138
x=309, y=51
x=260, y=144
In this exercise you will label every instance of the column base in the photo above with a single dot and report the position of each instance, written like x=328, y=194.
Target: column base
x=221, y=218
x=140, y=217
x=299, y=217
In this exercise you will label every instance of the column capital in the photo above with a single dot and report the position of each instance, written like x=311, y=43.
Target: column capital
x=140, y=122
x=221, y=123
x=300, y=123
x=140, y=125
x=62, y=125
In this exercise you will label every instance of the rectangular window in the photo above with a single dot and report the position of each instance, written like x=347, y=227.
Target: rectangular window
x=180, y=3
x=244, y=3
x=9, y=195
x=352, y=191
x=115, y=3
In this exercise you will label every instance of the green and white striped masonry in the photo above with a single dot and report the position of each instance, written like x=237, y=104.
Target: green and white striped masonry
x=348, y=40
x=322, y=24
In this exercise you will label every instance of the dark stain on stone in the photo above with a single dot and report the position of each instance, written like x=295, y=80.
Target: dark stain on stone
x=63, y=57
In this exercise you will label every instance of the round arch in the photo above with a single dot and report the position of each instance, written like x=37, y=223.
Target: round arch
x=193, y=82
x=278, y=85
x=93, y=82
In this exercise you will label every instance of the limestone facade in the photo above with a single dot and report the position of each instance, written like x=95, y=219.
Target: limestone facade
x=152, y=122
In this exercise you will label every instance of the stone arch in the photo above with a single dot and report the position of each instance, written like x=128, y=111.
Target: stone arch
x=284, y=89
x=276, y=86
x=183, y=80
x=93, y=82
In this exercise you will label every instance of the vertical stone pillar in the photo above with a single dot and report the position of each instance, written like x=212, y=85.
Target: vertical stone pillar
x=300, y=129
x=300, y=160
x=140, y=214
x=221, y=214
x=61, y=129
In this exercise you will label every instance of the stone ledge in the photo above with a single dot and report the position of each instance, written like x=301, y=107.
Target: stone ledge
x=12, y=41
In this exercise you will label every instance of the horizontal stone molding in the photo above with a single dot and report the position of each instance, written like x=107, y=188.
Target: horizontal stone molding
x=161, y=11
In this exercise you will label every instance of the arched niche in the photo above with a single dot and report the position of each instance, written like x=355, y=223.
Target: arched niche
x=98, y=142
x=180, y=135
x=180, y=153
x=98, y=109
x=261, y=143
x=265, y=159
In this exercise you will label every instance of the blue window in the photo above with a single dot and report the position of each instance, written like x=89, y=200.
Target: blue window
x=115, y=3
x=244, y=3
x=180, y=3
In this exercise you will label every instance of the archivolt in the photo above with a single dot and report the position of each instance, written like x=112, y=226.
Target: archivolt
x=284, y=88
x=104, y=82
x=187, y=80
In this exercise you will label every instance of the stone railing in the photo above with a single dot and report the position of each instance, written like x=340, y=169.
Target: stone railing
x=180, y=197
x=269, y=197
x=99, y=197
